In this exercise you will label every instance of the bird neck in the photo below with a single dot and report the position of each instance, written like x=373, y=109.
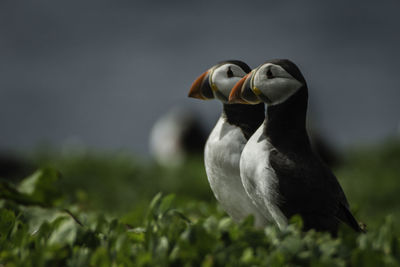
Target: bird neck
x=286, y=123
x=247, y=117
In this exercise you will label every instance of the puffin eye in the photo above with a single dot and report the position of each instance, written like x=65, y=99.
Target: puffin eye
x=229, y=72
x=269, y=74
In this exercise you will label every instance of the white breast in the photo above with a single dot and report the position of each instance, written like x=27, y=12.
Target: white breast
x=258, y=178
x=222, y=157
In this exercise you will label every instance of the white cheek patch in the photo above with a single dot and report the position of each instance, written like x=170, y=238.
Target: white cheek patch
x=225, y=85
x=222, y=82
x=277, y=89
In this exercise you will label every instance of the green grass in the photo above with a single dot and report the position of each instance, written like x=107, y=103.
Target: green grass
x=371, y=180
x=105, y=210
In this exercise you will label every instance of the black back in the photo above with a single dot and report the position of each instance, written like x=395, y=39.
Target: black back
x=306, y=185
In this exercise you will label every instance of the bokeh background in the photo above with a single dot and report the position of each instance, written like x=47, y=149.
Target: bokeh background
x=82, y=84
x=99, y=73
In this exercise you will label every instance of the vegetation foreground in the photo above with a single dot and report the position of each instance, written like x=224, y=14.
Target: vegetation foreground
x=105, y=210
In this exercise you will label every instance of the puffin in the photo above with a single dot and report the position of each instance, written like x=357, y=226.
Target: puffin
x=226, y=141
x=278, y=168
x=176, y=135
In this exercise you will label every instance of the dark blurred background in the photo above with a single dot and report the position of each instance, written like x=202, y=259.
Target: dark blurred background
x=99, y=73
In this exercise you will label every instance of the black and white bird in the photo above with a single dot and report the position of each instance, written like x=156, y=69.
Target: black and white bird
x=279, y=170
x=176, y=135
x=228, y=138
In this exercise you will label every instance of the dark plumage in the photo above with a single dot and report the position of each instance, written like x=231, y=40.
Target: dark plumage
x=306, y=185
x=247, y=117
x=298, y=181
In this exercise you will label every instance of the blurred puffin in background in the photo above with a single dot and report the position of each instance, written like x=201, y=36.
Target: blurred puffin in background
x=228, y=138
x=278, y=167
x=176, y=135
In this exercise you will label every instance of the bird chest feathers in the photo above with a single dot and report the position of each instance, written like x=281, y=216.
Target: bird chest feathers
x=223, y=150
x=222, y=157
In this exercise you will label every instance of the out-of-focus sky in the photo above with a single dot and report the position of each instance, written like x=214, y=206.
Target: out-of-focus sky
x=101, y=72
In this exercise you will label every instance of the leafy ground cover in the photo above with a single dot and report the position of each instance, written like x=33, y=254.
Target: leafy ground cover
x=90, y=209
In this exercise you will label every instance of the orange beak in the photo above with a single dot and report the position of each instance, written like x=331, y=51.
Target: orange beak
x=200, y=88
x=235, y=95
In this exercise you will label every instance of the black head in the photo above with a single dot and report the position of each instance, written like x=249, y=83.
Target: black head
x=290, y=67
x=239, y=63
